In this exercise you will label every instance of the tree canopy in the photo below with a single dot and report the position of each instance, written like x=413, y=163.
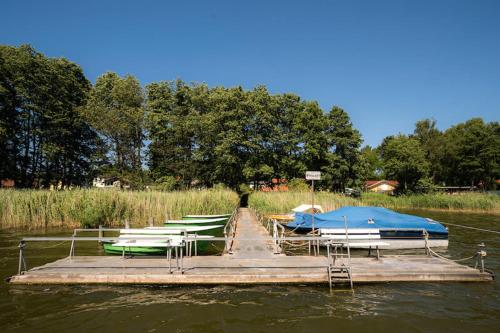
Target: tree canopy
x=232, y=136
x=43, y=138
x=58, y=128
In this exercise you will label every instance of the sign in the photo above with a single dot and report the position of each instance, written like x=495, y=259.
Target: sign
x=313, y=175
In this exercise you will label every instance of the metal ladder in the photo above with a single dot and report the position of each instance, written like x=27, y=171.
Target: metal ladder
x=339, y=264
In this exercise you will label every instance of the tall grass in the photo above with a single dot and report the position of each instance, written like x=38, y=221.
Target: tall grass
x=283, y=202
x=462, y=202
x=32, y=209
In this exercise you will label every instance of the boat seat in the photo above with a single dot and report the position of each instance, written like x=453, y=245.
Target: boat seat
x=167, y=237
x=176, y=242
x=150, y=231
x=210, y=221
x=355, y=244
x=142, y=243
x=340, y=234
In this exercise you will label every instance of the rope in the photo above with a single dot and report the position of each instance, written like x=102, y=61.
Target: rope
x=303, y=244
x=52, y=246
x=295, y=228
x=473, y=228
x=454, y=260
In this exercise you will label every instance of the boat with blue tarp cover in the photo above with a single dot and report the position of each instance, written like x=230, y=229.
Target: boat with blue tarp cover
x=399, y=231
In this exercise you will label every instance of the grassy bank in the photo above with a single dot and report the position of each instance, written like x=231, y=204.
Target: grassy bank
x=282, y=202
x=32, y=209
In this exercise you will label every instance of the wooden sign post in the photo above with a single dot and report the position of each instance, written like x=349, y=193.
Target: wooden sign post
x=312, y=176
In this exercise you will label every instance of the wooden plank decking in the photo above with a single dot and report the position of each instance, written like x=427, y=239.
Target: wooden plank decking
x=252, y=262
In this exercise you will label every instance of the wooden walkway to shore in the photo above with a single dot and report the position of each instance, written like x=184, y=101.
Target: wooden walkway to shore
x=251, y=262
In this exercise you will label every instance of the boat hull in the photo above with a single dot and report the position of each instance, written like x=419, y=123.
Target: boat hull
x=196, y=217
x=144, y=251
x=402, y=244
x=397, y=239
x=202, y=246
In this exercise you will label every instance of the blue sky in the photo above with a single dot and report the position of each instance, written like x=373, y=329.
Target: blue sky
x=387, y=63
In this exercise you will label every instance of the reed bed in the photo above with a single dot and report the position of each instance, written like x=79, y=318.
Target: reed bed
x=283, y=202
x=35, y=209
x=481, y=202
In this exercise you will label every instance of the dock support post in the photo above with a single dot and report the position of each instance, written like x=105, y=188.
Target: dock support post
x=426, y=240
x=22, y=261
x=226, y=246
x=182, y=262
x=481, y=254
x=151, y=221
x=127, y=224
x=101, y=233
x=169, y=255
x=72, y=248
x=318, y=242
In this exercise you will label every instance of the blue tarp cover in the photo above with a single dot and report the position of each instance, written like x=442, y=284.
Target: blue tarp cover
x=365, y=217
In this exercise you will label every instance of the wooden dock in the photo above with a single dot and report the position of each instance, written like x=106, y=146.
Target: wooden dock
x=251, y=262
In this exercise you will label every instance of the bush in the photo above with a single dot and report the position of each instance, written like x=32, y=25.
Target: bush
x=298, y=185
x=244, y=189
x=425, y=185
x=166, y=183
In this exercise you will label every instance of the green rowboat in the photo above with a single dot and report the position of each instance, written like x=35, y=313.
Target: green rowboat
x=144, y=251
x=195, y=222
x=209, y=230
x=197, y=217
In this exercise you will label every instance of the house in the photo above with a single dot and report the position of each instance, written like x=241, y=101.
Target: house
x=276, y=185
x=381, y=186
x=106, y=182
x=8, y=183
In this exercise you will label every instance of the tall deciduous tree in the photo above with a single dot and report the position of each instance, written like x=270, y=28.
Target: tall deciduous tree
x=343, y=150
x=234, y=136
x=472, y=153
x=371, y=163
x=43, y=138
x=115, y=109
x=404, y=160
x=432, y=142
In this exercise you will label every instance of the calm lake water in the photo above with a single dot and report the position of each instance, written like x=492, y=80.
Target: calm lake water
x=400, y=307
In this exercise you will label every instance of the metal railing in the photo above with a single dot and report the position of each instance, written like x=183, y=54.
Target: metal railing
x=278, y=236
x=275, y=229
x=188, y=241
x=230, y=231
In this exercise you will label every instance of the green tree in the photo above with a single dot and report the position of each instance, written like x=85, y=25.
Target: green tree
x=173, y=125
x=371, y=163
x=472, y=153
x=432, y=141
x=115, y=109
x=404, y=160
x=232, y=136
x=43, y=138
x=343, y=150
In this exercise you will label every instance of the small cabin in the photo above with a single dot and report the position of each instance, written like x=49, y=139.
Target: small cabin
x=276, y=185
x=106, y=182
x=7, y=183
x=381, y=186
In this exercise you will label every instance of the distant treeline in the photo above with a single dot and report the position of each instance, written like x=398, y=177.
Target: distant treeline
x=58, y=128
x=467, y=154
